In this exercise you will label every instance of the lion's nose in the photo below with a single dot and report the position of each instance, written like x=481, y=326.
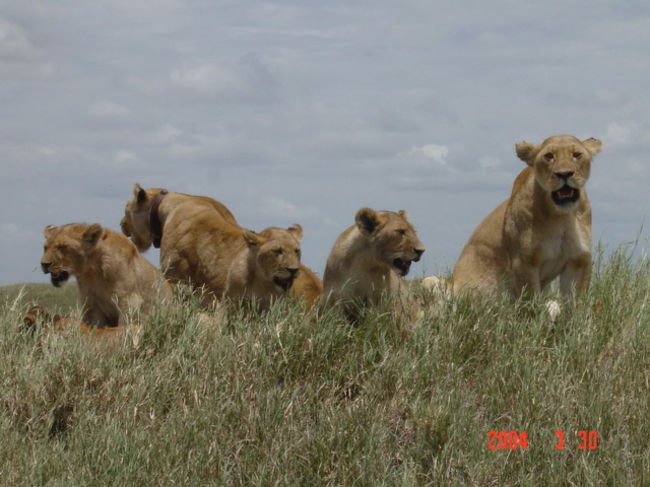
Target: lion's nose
x=46, y=266
x=293, y=271
x=419, y=253
x=564, y=174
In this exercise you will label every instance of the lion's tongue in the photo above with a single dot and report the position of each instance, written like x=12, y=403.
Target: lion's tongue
x=565, y=193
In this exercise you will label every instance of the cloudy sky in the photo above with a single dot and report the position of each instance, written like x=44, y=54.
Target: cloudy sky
x=305, y=111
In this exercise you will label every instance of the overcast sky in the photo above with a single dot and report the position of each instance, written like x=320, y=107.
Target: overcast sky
x=306, y=111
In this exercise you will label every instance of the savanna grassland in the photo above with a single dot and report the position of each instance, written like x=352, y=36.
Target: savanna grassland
x=283, y=399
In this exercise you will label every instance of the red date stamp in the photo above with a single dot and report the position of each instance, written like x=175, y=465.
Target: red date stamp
x=502, y=440
x=513, y=440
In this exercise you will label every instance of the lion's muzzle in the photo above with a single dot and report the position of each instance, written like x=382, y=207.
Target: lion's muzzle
x=285, y=283
x=565, y=195
x=60, y=278
x=402, y=265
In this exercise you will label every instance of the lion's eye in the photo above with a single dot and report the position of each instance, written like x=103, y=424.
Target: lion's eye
x=298, y=253
x=577, y=155
x=401, y=232
x=60, y=247
x=549, y=156
x=277, y=251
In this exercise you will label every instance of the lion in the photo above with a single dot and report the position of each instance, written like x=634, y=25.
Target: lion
x=36, y=317
x=113, y=278
x=268, y=267
x=369, y=260
x=541, y=232
x=200, y=240
x=198, y=237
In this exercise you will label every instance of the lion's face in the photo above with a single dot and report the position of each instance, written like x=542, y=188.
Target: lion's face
x=135, y=223
x=66, y=248
x=562, y=165
x=392, y=238
x=277, y=254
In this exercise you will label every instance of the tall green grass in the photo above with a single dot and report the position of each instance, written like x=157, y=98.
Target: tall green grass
x=285, y=399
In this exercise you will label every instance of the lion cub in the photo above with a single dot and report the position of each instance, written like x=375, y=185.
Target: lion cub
x=113, y=278
x=369, y=260
x=542, y=231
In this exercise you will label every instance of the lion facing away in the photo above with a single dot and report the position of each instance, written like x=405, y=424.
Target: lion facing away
x=198, y=236
x=542, y=231
x=199, y=241
x=113, y=278
x=369, y=260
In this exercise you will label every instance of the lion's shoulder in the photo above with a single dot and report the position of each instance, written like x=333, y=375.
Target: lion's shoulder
x=198, y=204
x=116, y=244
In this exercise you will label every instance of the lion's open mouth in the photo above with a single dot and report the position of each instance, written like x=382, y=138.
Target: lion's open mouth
x=565, y=195
x=283, y=284
x=60, y=278
x=402, y=266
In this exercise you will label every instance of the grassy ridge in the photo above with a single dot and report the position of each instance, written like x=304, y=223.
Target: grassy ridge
x=285, y=400
x=46, y=295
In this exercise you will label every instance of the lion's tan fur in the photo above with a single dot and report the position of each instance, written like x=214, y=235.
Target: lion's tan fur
x=202, y=244
x=200, y=237
x=268, y=267
x=360, y=269
x=113, y=278
x=529, y=239
x=307, y=287
x=37, y=317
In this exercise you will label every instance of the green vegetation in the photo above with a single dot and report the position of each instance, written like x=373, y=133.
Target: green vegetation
x=46, y=295
x=283, y=399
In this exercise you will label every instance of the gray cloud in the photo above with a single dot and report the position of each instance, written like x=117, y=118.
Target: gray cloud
x=304, y=112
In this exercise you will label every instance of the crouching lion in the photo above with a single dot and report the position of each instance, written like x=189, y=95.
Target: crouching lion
x=113, y=278
x=36, y=317
x=542, y=231
x=200, y=240
x=369, y=260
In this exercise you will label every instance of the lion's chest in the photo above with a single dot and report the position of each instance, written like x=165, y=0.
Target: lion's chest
x=373, y=283
x=562, y=244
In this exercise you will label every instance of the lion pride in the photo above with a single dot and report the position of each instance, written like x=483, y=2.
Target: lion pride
x=113, y=278
x=542, y=231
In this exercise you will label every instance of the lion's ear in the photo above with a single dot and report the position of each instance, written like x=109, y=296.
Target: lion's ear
x=367, y=220
x=526, y=152
x=296, y=231
x=404, y=214
x=92, y=234
x=593, y=145
x=47, y=231
x=138, y=193
x=252, y=239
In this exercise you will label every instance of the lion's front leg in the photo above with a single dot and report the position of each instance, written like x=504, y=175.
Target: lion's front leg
x=91, y=315
x=576, y=276
x=525, y=278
